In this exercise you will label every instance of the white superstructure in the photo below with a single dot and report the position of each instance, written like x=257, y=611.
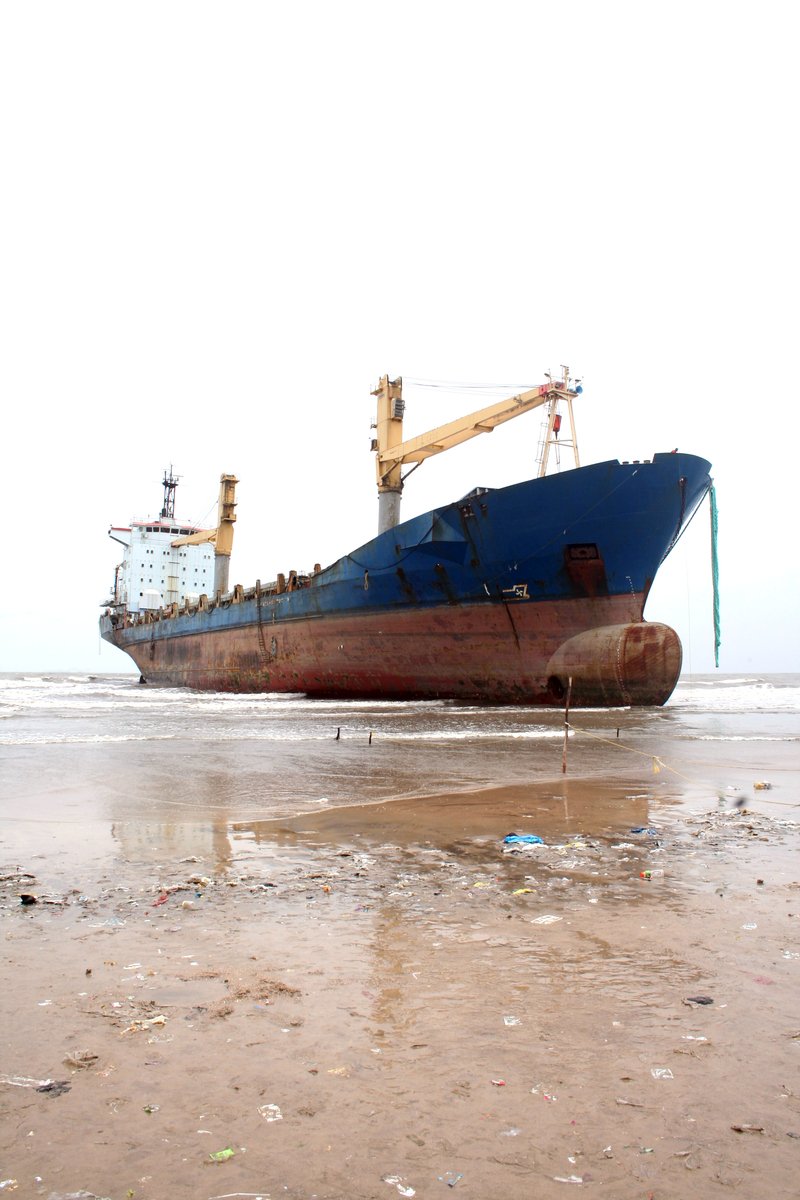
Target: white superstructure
x=153, y=573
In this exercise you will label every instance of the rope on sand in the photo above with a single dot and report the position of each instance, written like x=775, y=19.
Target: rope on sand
x=658, y=763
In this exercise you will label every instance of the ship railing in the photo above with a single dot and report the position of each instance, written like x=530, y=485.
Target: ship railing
x=295, y=581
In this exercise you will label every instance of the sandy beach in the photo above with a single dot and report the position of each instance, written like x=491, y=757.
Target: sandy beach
x=390, y=1000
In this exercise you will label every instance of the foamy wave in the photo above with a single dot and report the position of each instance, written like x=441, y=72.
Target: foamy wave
x=741, y=696
x=89, y=739
x=720, y=737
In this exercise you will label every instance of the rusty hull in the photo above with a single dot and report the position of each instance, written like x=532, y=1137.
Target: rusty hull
x=487, y=653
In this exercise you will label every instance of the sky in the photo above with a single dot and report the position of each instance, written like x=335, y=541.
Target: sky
x=221, y=224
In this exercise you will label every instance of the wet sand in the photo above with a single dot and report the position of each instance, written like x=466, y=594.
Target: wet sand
x=387, y=1000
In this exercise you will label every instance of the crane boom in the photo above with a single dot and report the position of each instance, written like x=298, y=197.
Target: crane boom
x=392, y=453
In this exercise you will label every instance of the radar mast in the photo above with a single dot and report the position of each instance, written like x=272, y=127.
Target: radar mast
x=170, y=483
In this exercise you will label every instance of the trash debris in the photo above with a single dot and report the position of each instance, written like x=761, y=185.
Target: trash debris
x=661, y=1073
x=568, y=1178
x=547, y=919
x=499, y=1082
x=630, y=1103
x=55, y=1087
x=146, y=1023
x=219, y=1156
x=521, y=891
x=525, y=839
x=513, y=1132
x=750, y=925
x=271, y=1112
x=511, y=1021
x=238, y=1196
x=151, y=1108
x=10, y=1184
x=451, y=1178
x=648, y=829
x=80, y=1059
x=27, y=898
x=698, y=1000
x=747, y=1128
x=23, y=1081
x=762, y=786
x=397, y=1181
x=652, y=874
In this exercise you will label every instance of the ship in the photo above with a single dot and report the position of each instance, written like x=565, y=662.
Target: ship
x=528, y=594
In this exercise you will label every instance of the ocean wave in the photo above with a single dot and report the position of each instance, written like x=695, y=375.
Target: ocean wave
x=89, y=739
x=722, y=737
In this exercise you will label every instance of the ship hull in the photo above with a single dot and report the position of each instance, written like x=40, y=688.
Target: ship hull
x=510, y=596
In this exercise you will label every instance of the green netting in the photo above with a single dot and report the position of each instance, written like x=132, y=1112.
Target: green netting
x=715, y=571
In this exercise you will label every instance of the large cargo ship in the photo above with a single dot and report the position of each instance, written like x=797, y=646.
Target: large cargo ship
x=511, y=595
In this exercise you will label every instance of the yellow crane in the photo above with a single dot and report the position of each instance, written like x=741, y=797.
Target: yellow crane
x=221, y=536
x=392, y=453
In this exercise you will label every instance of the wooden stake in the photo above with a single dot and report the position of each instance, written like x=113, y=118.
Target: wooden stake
x=566, y=728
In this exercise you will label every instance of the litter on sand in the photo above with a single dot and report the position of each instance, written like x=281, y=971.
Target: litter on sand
x=80, y=1059
x=24, y=1081
x=271, y=1112
x=396, y=1181
x=523, y=839
x=147, y=1023
x=219, y=1156
x=547, y=919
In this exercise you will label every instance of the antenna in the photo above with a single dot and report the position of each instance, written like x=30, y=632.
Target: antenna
x=170, y=483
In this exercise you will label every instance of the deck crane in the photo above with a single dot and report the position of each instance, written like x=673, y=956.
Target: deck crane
x=221, y=535
x=392, y=453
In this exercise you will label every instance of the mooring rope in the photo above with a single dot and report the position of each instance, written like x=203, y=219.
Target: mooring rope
x=658, y=763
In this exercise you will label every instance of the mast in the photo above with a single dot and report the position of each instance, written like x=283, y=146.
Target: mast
x=170, y=483
x=550, y=438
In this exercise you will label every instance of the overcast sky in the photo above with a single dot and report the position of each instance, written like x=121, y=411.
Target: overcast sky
x=221, y=223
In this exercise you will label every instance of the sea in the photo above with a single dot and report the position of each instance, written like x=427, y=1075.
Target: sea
x=75, y=747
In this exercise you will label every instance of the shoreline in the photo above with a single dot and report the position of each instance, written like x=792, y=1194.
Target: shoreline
x=380, y=997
